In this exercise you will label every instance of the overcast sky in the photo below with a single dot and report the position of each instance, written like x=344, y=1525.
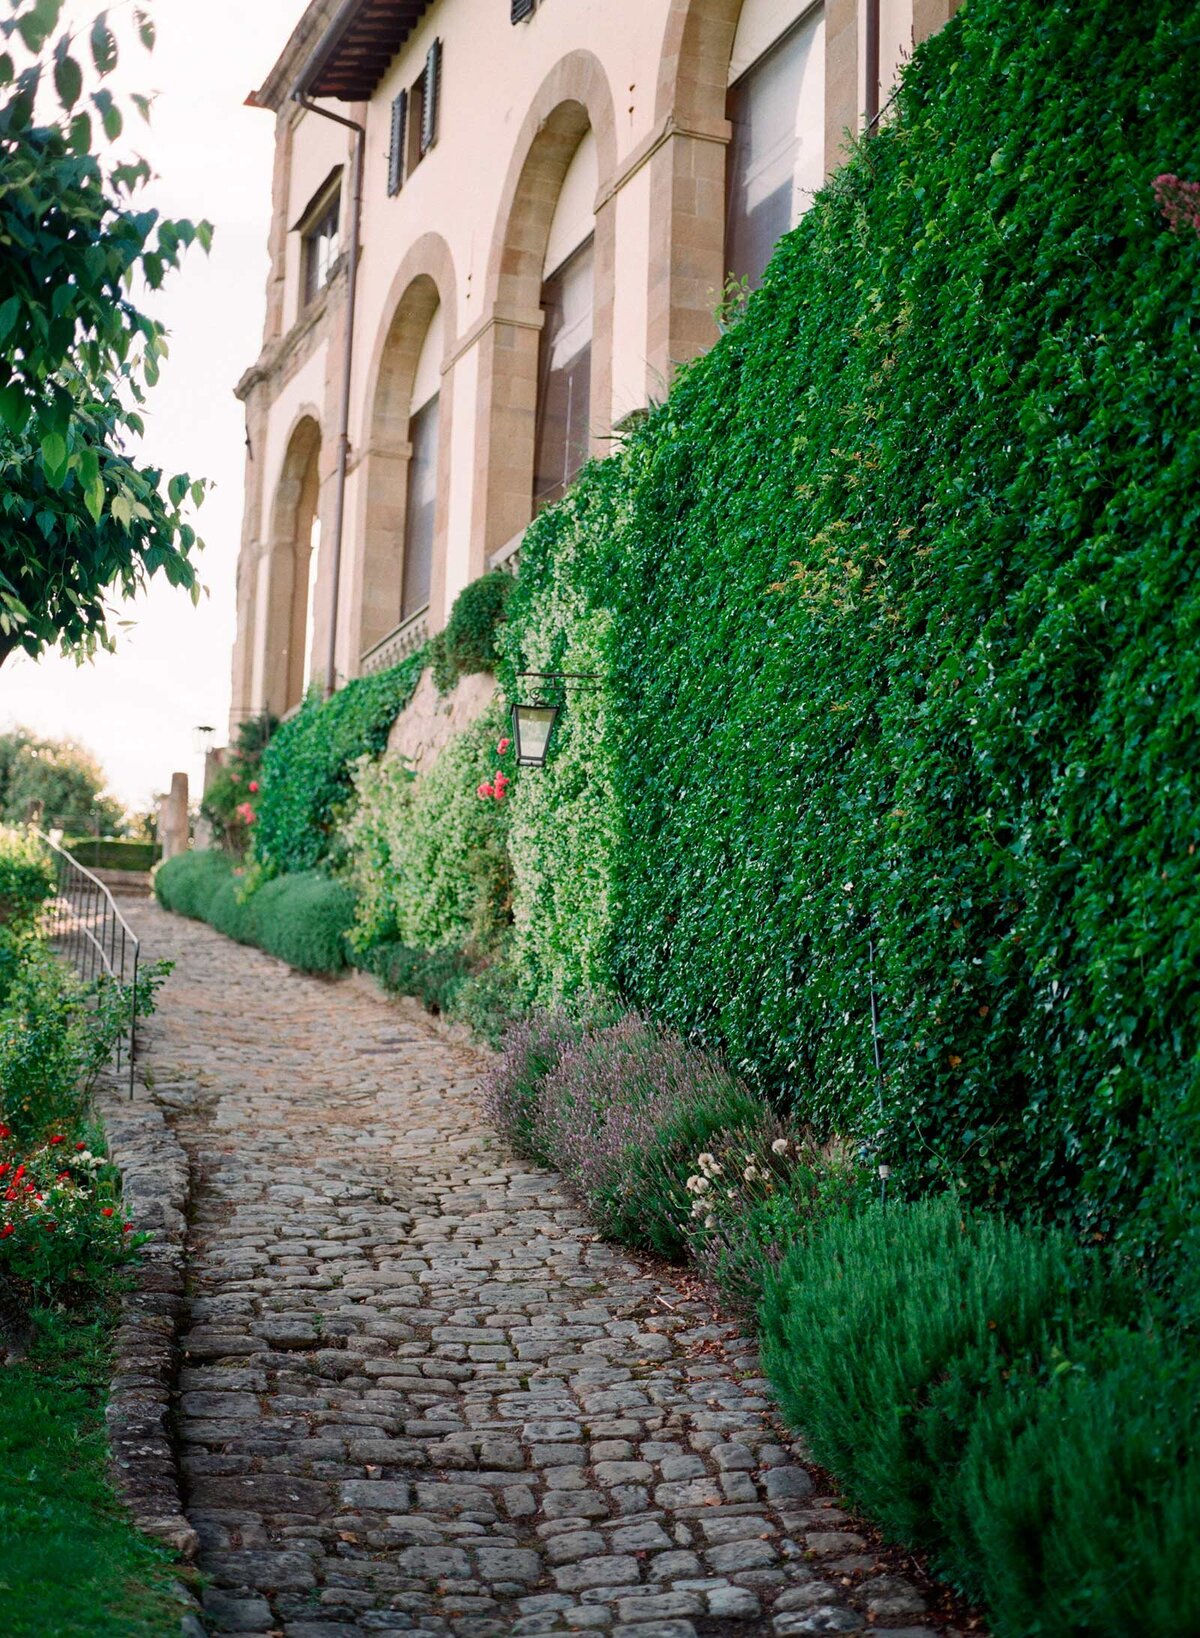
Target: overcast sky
x=137, y=709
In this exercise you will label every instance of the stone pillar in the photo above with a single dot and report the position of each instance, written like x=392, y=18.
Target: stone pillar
x=173, y=817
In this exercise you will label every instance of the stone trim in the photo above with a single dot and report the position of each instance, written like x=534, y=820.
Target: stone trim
x=142, y=1460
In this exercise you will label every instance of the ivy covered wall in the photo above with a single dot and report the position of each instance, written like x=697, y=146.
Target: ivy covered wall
x=896, y=599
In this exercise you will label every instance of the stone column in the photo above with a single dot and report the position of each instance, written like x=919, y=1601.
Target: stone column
x=173, y=817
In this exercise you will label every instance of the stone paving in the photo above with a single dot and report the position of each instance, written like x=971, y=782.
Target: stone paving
x=417, y=1394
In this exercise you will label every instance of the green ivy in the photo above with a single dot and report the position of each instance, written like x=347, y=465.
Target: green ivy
x=467, y=643
x=307, y=768
x=896, y=602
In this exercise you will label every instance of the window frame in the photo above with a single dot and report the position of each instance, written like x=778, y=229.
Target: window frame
x=325, y=208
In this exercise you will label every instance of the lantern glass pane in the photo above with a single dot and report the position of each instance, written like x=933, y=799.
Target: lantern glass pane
x=532, y=725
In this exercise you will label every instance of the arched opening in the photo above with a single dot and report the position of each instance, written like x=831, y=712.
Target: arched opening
x=776, y=109
x=563, y=429
x=545, y=360
x=287, y=606
x=405, y=460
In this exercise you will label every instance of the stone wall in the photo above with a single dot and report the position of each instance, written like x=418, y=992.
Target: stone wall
x=430, y=719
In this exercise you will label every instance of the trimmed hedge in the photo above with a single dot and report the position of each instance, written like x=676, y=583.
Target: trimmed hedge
x=307, y=767
x=989, y=1393
x=467, y=642
x=114, y=853
x=897, y=603
x=302, y=918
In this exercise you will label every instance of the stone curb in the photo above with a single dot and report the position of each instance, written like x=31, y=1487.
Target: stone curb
x=155, y=1176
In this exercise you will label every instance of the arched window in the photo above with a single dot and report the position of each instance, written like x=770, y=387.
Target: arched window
x=420, y=512
x=776, y=105
x=565, y=351
x=285, y=598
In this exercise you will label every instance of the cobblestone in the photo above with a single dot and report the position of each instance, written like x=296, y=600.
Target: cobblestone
x=417, y=1393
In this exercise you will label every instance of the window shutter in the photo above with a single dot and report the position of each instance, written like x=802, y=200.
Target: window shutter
x=521, y=9
x=396, y=151
x=431, y=96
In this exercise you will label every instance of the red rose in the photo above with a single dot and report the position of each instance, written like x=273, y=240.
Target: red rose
x=7, y=1230
x=58, y=1139
x=5, y=1131
x=252, y=787
x=125, y=1227
x=503, y=746
x=79, y=1147
x=106, y=1211
x=484, y=790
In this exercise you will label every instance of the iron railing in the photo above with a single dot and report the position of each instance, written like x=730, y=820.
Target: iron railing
x=87, y=929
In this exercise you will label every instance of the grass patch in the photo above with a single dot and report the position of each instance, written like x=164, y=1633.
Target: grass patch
x=70, y=1561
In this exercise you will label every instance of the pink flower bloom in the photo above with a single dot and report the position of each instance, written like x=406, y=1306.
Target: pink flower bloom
x=503, y=746
x=252, y=787
x=1179, y=201
x=484, y=790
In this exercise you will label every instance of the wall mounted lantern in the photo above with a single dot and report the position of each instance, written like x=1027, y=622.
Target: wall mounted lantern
x=533, y=720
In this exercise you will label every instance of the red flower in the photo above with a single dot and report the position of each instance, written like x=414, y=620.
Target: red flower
x=79, y=1147
x=5, y=1131
x=50, y=1225
x=125, y=1227
x=5, y=1168
x=484, y=790
x=11, y=1194
x=106, y=1211
x=20, y=1172
x=503, y=746
x=61, y=1175
x=6, y=1231
x=57, y=1139
x=252, y=787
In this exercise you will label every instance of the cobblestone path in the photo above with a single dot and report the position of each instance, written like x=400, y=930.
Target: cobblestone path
x=417, y=1394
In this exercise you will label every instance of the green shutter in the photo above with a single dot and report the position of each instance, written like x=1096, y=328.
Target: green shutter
x=396, y=151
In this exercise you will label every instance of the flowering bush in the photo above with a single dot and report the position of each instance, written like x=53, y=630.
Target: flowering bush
x=623, y=1114
x=226, y=805
x=61, y=1223
x=512, y=1089
x=428, y=859
x=56, y=1035
x=26, y=879
x=756, y=1192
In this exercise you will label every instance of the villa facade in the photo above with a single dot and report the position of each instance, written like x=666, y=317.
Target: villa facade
x=498, y=227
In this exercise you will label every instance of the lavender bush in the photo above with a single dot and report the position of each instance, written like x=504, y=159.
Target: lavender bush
x=511, y=1091
x=623, y=1114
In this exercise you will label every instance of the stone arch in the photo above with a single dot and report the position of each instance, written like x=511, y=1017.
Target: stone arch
x=574, y=97
x=294, y=509
x=423, y=284
x=687, y=185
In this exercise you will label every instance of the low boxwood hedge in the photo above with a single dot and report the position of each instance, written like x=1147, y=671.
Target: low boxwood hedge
x=302, y=918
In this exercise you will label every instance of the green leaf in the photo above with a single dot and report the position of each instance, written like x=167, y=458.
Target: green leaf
x=104, y=45
x=91, y=482
x=14, y=407
x=9, y=311
x=68, y=76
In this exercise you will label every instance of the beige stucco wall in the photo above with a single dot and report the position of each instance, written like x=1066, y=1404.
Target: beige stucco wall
x=469, y=226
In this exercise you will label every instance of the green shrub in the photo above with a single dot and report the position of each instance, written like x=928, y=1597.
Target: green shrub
x=434, y=977
x=427, y=854
x=308, y=766
x=230, y=803
x=901, y=647
x=1079, y=1494
x=187, y=882
x=467, y=642
x=512, y=1089
x=113, y=853
x=490, y=1002
x=303, y=919
x=883, y=1332
x=26, y=879
x=45, y=1048
x=623, y=1115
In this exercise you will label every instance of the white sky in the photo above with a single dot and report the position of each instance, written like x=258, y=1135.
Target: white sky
x=136, y=709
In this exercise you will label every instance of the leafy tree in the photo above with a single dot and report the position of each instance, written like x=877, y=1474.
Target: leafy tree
x=64, y=777
x=80, y=516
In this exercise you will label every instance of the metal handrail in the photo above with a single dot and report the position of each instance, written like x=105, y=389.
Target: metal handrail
x=83, y=905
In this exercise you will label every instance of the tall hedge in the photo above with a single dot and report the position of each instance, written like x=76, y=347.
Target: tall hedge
x=308, y=767
x=896, y=597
